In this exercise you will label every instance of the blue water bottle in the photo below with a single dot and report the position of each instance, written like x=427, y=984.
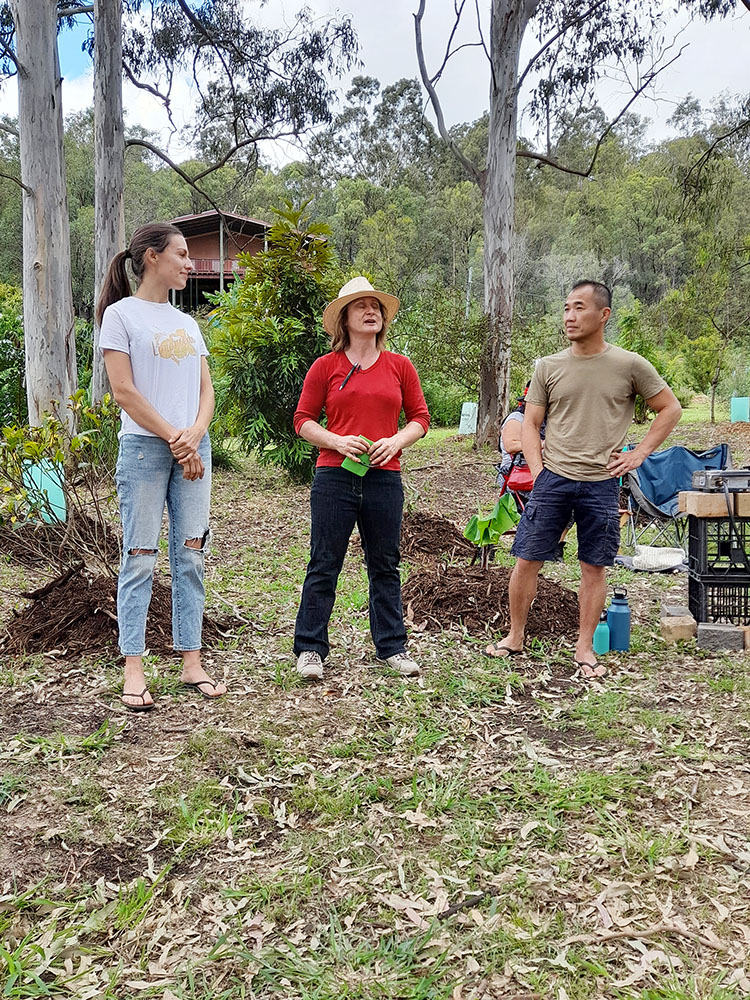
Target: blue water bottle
x=601, y=635
x=618, y=619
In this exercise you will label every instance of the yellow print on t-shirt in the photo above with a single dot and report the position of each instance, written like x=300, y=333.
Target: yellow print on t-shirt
x=174, y=346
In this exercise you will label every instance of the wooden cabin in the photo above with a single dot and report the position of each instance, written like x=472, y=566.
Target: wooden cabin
x=214, y=241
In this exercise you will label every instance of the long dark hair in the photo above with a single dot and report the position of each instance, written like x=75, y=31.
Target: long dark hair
x=154, y=236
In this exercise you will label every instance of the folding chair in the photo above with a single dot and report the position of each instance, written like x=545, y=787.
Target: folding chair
x=653, y=489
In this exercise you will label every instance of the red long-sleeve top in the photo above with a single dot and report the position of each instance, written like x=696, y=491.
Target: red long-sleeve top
x=369, y=404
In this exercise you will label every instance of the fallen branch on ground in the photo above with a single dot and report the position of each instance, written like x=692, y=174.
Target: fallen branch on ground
x=649, y=932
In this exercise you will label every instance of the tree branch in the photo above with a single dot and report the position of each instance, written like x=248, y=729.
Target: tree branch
x=706, y=156
x=177, y=169
x=164, y=98
x=558, y=34
x=648, y=80
x=18, y=181
x=74, y=11
x=199, y=26
x=471, y=168
x=9, y=129
x=220, y=163
x=446, y=57
x=483, y=44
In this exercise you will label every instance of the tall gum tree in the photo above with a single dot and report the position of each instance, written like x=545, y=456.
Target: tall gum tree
x=109, y=160
x=575, y=40
x=48, y=299
x=253, y=84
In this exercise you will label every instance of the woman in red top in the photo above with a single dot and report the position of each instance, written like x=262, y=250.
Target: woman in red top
x=362, y=389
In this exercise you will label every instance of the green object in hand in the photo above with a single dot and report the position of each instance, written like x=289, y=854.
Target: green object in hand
x=358, y=468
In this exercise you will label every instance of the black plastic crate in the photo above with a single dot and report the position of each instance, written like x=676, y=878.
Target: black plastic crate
x=715, y=548
x=718, y=599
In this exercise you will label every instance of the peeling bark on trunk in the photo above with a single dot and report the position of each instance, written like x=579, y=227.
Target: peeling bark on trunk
x=509, y=20
x=49, y=332
x=109, y=151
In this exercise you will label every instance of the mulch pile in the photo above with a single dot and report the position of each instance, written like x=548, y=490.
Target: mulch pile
x=428, y=534
x=36, y=543
x=76, y=614
x=439, y=596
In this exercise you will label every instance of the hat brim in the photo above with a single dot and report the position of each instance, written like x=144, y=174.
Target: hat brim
x=334, y=309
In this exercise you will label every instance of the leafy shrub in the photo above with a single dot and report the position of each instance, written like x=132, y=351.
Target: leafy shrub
x=444, y=403
x=266, y=332
x=443, y=342
x=50, y=474
x=635, y=335
x=12, y=391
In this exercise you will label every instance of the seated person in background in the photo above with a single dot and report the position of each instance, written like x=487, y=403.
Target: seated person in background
x=510, y=437
x=513, y=471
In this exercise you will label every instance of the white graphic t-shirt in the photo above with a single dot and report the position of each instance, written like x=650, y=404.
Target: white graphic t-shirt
x=165, y=348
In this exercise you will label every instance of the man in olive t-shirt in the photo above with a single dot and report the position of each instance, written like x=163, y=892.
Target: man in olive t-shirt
x=587, y=393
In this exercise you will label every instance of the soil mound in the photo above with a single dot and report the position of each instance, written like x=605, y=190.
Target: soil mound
x=76, y=613
x=36, y=543
x=429, y=535
x=437, y=597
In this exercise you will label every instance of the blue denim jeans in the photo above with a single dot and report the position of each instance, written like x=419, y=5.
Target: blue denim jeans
x=374, y=502
x=148, y=477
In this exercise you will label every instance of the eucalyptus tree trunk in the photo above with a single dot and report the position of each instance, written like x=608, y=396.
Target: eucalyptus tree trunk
x=109, y=152
x=49, y=332
x=508, y=23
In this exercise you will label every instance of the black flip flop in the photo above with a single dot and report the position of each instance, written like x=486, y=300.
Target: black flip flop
x=143, y=707
x=508, y=652
x=197, y=686
x=592, y=667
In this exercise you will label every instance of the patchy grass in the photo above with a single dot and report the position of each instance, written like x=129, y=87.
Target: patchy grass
x=491, y=830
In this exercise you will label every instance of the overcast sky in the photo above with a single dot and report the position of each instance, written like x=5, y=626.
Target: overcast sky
x=716, y=61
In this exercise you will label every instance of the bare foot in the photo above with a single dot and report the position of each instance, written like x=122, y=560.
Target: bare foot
x=193, y=675
x=135, y=693
x=501, y=651
x=591, y=668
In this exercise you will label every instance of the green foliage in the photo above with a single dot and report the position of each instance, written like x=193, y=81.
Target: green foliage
x=443, y=342
x=12, y=392
x=267, y=331
x=635, y=336
x=487, y=531
x=57, y=479
x=444, y=402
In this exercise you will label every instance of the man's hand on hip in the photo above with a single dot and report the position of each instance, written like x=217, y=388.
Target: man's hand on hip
x=623, y=462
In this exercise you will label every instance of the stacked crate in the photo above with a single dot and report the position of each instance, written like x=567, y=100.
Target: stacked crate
x=719, y=585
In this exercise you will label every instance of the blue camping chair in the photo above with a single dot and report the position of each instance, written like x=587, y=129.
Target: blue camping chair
x=653, y=490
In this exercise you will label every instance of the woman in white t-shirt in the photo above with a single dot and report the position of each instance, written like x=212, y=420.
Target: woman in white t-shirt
x=155, y=358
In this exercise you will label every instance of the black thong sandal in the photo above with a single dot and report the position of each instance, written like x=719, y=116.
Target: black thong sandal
x=197, y=686
x=144, y=706
x=593, y=676
x=493, y=651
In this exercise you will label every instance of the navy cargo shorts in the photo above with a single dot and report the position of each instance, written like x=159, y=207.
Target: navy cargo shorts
x=594, y=507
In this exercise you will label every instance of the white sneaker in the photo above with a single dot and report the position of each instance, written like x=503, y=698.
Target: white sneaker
x=310, y=665
x=403, y=663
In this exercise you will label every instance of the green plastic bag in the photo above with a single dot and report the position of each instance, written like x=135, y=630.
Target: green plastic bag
x=487, y=530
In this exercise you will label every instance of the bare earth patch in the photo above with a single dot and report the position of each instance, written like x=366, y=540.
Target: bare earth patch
x=492, y=830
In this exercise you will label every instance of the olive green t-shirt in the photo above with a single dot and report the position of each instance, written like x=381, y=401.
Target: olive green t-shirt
x=589, y=402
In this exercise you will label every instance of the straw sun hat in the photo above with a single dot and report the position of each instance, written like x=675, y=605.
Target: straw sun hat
x=357, y=288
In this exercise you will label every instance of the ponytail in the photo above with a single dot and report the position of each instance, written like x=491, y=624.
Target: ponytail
x=116, y=284
x=154, y=236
